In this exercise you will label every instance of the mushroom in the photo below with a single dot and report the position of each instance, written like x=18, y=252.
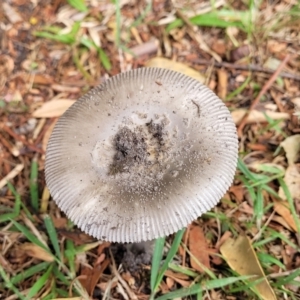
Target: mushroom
x=141, y=156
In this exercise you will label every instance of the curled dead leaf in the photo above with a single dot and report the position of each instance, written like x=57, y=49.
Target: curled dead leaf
x=38, y=252
x=291, y=146
x=282, y=208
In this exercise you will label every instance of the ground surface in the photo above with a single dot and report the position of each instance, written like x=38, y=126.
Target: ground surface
x=52, y=52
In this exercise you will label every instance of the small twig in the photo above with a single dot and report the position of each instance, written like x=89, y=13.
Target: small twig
x=261, y=93
x=198, y=108
x=186, y=236
x=258, y=235
x=132, y=296
x=11, y=175
x=286, y=273
x=21, y=139
x=34, y=230
x=250, y=68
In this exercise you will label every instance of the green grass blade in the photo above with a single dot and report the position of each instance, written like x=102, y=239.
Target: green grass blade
x=243, y=168
x=39, y=283
x=75, y=29
x=78, y=4
x=222, y=282
x=29, y=272
x=9, y=285
x=63, y=293
x=87, y=43
x=104, y=59
x=175, y=24
x=172, y=252
x=63, y=38
x=259, y=207
x=34, y=194
x=291, y=203
x=287, y=279
x=51, y=296
x=267, y=259
x=52, y=29
x=239, y=90
x=156, y=260
x=60, y=276
x=52, y=235
x=32, y=238
x=273, y=235
x=79, y=66
x=16, y=210
x=214, y=19
x=139, y=20
x=198, y=288
x=183, y=270
x=70, y=254
x=220, y=19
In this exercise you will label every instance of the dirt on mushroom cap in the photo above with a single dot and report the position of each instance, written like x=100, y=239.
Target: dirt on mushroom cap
x=134, y=160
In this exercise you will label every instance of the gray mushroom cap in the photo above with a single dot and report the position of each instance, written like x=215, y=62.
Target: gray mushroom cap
x=141, y=156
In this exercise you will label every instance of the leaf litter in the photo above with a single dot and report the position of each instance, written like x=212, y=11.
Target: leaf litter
x=51, y=55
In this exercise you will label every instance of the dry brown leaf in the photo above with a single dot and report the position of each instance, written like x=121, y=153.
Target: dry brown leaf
x=12, y=174
x=275, y=46
x=281, y=221
x=215, y=256
x=242, y=258
x=175, y=66
x=180, y=278
x=256, y=116
x=164, y=288
x=238, y=192
x=43, y=79
x=292, y=180
x=282, y=208
x=199, y=249
x=172, y=274
x=53, y=108
x=92, y=276
x=36, y=252
x=170, y=282
x=291, y=146
x=102, y=246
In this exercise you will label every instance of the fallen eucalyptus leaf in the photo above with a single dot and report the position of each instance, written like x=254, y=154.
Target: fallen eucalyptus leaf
x=256, y=116
x=161, y=62
x=53, y=108
x=242, y=258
